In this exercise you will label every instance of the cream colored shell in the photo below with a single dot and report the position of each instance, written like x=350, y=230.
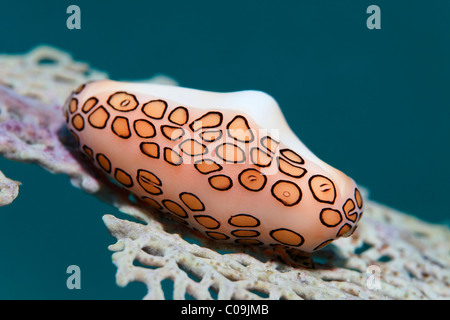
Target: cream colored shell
x=225, y=164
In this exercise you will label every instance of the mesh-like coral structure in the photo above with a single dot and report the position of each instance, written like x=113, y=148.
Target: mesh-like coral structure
x=9, y=189
x=392, y=255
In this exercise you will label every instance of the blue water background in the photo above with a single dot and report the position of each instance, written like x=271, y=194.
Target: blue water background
x=373, y=103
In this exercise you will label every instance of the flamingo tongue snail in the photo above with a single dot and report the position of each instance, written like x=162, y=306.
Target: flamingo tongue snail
x=225, y=164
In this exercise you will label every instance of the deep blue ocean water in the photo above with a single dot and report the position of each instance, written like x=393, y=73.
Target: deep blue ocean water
x=373, y=103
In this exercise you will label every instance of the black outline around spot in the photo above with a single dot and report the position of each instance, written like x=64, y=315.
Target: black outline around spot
x=80, y=88
x=126, y=185
x=208, y=234
x=91, y=155
x=171, y=150
x=171, y=127
x=199, y=119
x=239, y=241
x=203, y=160
x=189, y=193
x=196, y=154
x=287, y=173
x=155, y=185
x=269, y=137
x=163, y=113
x=360, y=216
x=76, y=105
x=159, y=183
x=287, y=244
x=206, y=216
x=148, y=143
x=346, y=224
x=73, y=124
x=314, y=195
x=252, y=169
x=208, y=131
x=287, y=149
x=98, y=161
x=329, y=225
x=249, y=129
x=119, y=92
x=84, y=104
x=354, y=206
x=323, y=243
x=221, y=145
x=187, y=115
x=287, y=205
x=220, y=175
x=350, y=215
x=176, y=214
x=159, y=206
x=128, y=127
x=244, y=214
x=262, y=151
x=151, y=124
x=93, y=112
x=248, y=237
x=356, y=199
